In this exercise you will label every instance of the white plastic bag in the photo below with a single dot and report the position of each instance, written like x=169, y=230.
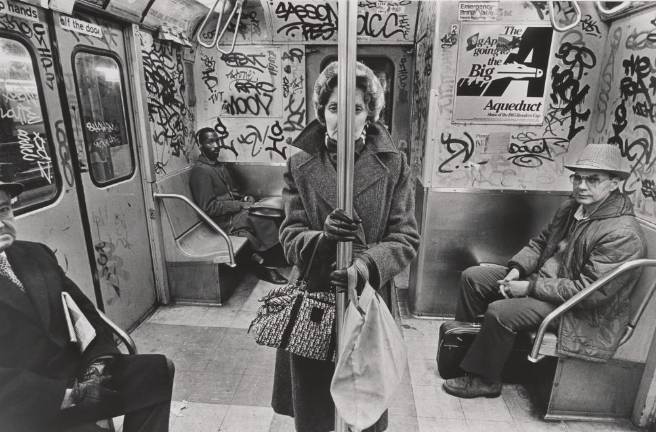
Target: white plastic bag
x=372, y=360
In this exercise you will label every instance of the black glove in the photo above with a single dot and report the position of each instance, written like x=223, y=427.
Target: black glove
x=90, y=393
x=92, y=384
x=339, y=227
x=339, y=278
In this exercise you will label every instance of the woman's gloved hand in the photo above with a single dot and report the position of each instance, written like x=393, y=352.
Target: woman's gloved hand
x=338, y=227
x=339, y=278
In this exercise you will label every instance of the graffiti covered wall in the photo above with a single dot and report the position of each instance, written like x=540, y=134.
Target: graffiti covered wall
x=625, y=109
x=422, y=85
x=254, y=98
x=172, y=120
x=511, y=156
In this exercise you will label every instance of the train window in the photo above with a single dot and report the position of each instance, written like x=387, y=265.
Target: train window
x=26, y=149
x=383, y=67
x=100, y=94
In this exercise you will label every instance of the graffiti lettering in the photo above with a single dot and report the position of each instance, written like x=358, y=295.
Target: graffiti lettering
x=648, y=189
x=249, y=61
x=373, y=25
x=532, y=151
x=222, y=130
x=170, y=117
x=296, y=114
x=607, y=80
x=101, y=126
x=312, y=21
x=209, y=78
x=589, y=26
x=109, y=265
x=458, y=149
x=22, y=114
x=645, y=39
x=33, y=149
x=64, y=155
x=296, y=85
x=567, y=93
x=294, y=54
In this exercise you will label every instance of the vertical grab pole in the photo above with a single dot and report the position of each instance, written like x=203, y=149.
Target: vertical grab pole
x=346, y=50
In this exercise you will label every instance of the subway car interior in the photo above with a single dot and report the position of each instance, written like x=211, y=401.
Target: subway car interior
x=101, y=101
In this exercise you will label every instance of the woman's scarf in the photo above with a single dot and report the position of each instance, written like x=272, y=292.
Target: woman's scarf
x=331, y=148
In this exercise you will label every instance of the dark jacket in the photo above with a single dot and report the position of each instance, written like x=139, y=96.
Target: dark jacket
x=384, y=200
x=37, y=362
x=213, y=190
x=595, y=246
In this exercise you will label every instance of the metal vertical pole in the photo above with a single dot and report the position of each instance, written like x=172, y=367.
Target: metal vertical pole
x=346, y=50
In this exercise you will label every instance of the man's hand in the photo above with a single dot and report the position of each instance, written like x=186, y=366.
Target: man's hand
x=510, y=289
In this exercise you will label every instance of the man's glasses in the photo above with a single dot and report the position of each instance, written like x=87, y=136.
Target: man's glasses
x=591, y=180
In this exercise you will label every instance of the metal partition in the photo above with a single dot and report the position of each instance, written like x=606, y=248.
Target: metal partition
x=460, y=229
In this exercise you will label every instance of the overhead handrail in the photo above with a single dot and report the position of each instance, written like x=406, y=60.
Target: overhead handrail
x=239, y=5
x=218, y=34
x=620, y=7
x=205, y=218
x=535, y=355
x=552, y=17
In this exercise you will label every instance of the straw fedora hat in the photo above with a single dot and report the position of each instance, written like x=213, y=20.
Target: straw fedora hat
x=13, y=189
x=601, y=157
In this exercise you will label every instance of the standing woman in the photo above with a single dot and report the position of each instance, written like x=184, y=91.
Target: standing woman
x=383, y=229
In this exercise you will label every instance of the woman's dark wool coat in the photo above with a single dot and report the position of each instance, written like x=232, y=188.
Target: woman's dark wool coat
x=384, y=200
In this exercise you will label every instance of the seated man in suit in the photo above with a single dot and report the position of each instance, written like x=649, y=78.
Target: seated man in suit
x=591, y=234
x=214, y=191
x=46, y=383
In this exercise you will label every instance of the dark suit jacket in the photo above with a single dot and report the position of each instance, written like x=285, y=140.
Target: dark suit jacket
x=37, y=361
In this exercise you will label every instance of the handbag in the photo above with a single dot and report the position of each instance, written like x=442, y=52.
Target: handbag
x=296, y=320
x=372, y=360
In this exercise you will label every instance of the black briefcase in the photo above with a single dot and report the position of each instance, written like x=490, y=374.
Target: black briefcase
x=457, y=336
x=455, y=339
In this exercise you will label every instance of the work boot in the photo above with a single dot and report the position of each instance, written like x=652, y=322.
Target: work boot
x=471, y=386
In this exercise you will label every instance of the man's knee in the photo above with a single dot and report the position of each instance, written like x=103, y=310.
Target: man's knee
x=501, y=312
x=469, y=276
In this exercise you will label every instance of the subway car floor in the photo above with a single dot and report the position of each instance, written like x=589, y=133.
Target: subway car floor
x=223, y=379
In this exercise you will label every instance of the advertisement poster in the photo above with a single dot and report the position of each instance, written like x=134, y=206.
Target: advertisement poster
x=502, y=73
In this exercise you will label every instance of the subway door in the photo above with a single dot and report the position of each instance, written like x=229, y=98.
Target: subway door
x=34, y=144
x=93, y=60
x=393, y=65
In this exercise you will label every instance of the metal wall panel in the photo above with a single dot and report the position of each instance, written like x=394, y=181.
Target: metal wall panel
x=464, y=228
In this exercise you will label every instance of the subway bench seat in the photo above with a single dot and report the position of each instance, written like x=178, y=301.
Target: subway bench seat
x=574, y=389
x=200, y=256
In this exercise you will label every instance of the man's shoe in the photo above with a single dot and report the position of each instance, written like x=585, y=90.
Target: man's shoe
x=471, y=386
x=271, y=275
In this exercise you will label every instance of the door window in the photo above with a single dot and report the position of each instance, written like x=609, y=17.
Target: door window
x=26, y=149
x=102, y=106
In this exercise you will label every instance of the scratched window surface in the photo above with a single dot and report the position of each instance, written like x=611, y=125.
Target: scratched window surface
x=26, y=153
x=100, y=90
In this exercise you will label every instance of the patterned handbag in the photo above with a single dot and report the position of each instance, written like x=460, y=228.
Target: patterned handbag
x=296, y=320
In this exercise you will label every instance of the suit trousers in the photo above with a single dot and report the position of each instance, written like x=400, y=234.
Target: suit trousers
x=503, y=318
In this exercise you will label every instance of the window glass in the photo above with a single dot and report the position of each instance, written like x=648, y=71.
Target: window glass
x=384, y=70
x=100, y=90
x=26, y=153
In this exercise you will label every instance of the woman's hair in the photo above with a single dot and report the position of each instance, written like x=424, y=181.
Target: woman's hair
x=365, y=80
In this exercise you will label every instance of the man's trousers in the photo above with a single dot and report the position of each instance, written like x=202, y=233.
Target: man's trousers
x=503, y=318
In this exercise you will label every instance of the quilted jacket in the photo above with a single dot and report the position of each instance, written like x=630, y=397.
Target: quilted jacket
x=592, y=248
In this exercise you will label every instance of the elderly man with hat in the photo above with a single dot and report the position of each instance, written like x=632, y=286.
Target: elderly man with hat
x=46, y=382
x=592, y=233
